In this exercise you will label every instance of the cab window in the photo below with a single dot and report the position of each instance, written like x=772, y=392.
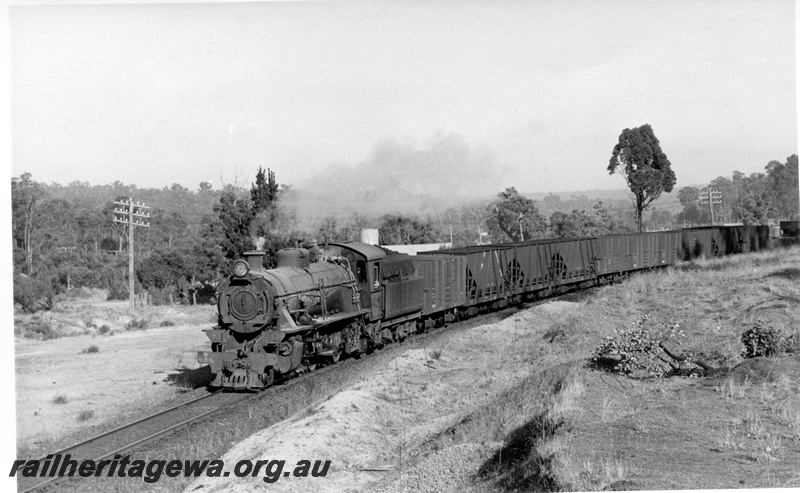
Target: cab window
x=361, y=271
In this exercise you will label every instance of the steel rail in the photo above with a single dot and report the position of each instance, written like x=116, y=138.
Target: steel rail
x=128, y=425
x=283, y=382
x=145, y=439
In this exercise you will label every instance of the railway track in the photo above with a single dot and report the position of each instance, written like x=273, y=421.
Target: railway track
x=136, y=433
x=152, y=427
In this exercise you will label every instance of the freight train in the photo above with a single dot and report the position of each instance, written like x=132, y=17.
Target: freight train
x=348, y=299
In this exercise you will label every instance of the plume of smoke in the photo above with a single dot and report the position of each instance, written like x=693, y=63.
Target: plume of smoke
x=399, y=178
x=258, y=243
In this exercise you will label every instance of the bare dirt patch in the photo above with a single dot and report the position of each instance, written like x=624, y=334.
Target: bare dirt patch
x=68, y=384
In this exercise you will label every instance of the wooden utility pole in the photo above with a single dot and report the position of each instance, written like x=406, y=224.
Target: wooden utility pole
x=710, y=197
x=126, y=212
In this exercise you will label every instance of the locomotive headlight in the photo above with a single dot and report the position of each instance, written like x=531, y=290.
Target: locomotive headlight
x=240, y=268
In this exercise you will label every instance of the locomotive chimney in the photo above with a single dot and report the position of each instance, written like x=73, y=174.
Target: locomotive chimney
x=255, y=260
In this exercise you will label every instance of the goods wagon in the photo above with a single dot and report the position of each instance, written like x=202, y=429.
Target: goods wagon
x=443, y=281
x=509, y=270
x=616, y=254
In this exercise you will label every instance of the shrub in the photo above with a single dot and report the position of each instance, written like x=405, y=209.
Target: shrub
x=60, y=399
x=137, y=324
x=160, y=296
x=85, y=415
x=104, y=329
x=40, y=328
x=91, y=349
x=638, y=347
x=117, y=289
x=32, y=294
x=79, y=293
x=761, y=340
x=166, y=323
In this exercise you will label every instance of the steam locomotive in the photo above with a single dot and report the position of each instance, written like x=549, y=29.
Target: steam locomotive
x=351, y=298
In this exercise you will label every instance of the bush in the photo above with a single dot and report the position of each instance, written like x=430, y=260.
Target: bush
x=33, y=294
x=117, y=290
x=161, y=296
x=103, y=329
x=137, y=324
x=638, y=347
x=761, y=340
x=79, y=293
x=91, y=349
x=37, y=328
x=166, y=323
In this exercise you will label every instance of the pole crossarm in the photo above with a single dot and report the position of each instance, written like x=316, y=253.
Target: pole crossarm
x=138, y=216
x=710, y=198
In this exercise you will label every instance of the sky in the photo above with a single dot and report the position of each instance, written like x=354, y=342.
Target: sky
x=533, y=94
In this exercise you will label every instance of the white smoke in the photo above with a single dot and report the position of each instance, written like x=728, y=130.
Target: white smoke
x=400, y=178
x=258, y=243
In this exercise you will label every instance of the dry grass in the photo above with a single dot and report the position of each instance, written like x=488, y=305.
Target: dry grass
x=657, y=435
x=94, y=315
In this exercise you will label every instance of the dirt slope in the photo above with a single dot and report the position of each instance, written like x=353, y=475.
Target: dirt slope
x=384, y=421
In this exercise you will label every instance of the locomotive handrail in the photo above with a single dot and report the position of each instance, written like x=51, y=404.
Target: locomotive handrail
x=335, y=318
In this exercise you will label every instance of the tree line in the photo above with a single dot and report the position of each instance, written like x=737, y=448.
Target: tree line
x=64, y=237
x=755, y=199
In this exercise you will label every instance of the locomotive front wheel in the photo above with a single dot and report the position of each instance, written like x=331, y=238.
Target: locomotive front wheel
x=335, y=357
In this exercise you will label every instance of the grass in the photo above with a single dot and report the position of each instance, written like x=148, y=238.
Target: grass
x=733, y=390
x=85, y=415
x=79, y=315
x=670, y=426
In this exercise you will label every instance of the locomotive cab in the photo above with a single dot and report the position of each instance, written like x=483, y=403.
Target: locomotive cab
x=364, y=261
x=389, y=285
